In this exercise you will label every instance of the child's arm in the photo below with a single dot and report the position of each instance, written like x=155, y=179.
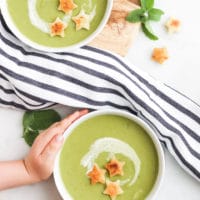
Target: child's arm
x=39, y=163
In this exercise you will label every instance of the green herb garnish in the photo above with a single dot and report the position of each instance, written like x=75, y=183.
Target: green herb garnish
x=145, y=14
x=36, y=121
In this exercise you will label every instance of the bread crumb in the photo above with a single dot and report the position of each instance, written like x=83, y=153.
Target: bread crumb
x=82, y=20
x=160, y=55
x=57, y=28
x=97, y=175
x=173, y=25
x=115, y=167
x=113, y=189
x=67, y=6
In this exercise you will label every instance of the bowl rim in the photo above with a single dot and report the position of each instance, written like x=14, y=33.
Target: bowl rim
x=10, y=23
x=56, y=173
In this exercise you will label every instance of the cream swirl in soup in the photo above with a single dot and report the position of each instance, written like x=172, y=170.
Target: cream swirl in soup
x=113, y=146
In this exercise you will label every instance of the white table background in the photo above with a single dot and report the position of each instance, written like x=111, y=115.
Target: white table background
x=181, y=71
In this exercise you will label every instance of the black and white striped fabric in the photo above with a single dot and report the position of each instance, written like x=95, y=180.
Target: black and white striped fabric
x=98, y=79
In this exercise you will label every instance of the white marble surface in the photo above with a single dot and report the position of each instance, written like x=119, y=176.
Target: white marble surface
x=181, y=71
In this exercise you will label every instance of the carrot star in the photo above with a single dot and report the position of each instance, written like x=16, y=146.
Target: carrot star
x=173, y=25
x=97, y=175
x=82, y=20
x=115, y=167
x=67, y=6
x=113, y=189
x=57, y=28
x=160, y=55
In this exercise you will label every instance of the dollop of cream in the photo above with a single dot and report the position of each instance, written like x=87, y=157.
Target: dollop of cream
x=87, y=6
x=113, y=146
x=35, y=18
x=92, y=14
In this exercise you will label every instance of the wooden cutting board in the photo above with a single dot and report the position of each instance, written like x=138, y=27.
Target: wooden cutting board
x=118, y=34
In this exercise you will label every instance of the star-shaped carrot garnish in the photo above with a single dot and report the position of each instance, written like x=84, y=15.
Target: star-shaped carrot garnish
x=97, y=175
x=160, y=55
x=113, y=189
x=115, y=167
x=173, y=25
x=67, y=6
x=82, y=20
x=57, y=28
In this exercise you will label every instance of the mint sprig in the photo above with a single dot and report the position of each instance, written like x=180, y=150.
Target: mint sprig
x=36, y=121
x=145, y=14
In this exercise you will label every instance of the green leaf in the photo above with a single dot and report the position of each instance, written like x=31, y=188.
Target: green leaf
x=35, y=121
x=40, y=120
x=148, y=31
x=135, y=15
x=144, y=15
x=29, y=135
x=147, y=4
x=155, y=14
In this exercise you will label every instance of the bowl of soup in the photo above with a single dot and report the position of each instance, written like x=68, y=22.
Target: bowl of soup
x=56, y=25
x=109, y=154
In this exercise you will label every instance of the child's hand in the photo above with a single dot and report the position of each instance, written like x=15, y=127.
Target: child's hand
x=40, y=161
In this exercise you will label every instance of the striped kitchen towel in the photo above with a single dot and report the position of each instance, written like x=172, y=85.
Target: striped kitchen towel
x=96, y=79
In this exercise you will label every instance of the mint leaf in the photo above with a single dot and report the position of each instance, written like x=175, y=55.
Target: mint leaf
x=148, y=31
x=155, y=14
x=135, y=15
x=29, y=135
x=145, y=14
x=35, y=121
x=147, y=4
x=41, y=119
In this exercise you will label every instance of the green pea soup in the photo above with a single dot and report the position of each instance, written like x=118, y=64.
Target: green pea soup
x=48, y=11
x=84, y=136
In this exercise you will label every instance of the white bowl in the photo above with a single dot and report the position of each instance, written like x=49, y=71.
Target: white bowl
x=23, y=38
x=57, y=177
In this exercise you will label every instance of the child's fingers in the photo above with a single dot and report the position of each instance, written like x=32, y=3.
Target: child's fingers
x=51, y=149
x=66, y=122
x=57, y=128
x=44, y=138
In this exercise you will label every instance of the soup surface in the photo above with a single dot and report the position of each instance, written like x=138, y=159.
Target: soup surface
x=96, y=141
x=45, y=12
